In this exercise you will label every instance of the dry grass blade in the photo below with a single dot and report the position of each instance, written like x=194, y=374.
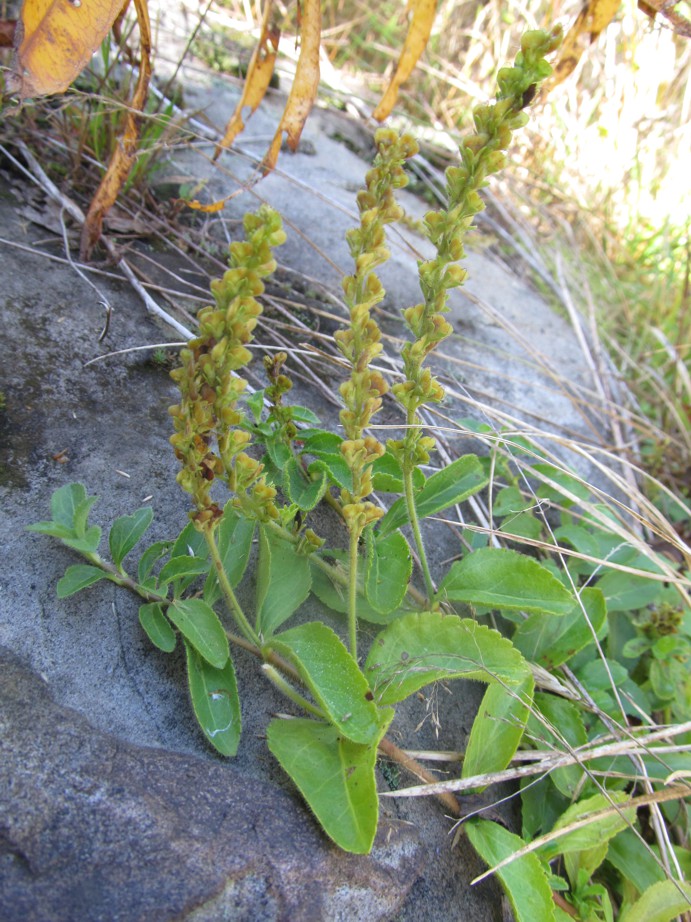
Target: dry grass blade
x=125, y=153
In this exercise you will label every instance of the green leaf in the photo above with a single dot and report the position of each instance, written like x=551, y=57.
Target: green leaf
x=509, y=501
x=299, y=489
x=628, y=592
x=234, y=534
x=278, y=451
x=86, y=544
x=332, y=676
x=283, y=581
x=600, y=829
x=255, y=404
x=335, y=468
x=662, y=902
x=387, y=476
x=199, y=624
x=126, y=532
x=502, y=578
x=335, y=596
x=334, y=775
x=78, y=577
x=424, y=647
x=389, y=565
x=190, y=543
x=69, y=501
x=304, y=415
x=551, y=641
x=523, y=525
x=215, y=700
x=180, y=567
x=54, y=529
x=445, y=488
x=560, y=483
x=498, y=728
x=561, y=727
x=157, y=627
x=149, y=558
x=524, y=880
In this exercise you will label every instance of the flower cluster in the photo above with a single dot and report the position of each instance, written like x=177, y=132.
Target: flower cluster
x=360, y=343
x=481, y=154
x=207, y=438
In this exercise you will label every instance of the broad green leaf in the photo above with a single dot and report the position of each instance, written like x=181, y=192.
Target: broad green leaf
x=126, y=532
x=387, y=476
x=561, y=727
x=444, y=489
x=180, y=567
x=662, y=902
x=319, y=441
x=190, y=543
x=335, y=468
x=215, y=700
x=54, y=529
x=304, y=415
x=278, y=451
x=67, y=501
x=299, y=489
x=335, y=596
x=424, y=647
x=199, y=624
x=592, y=835
x=498, y=728
x=509, y=501
x=639, y=863
x=78, y=577
x=334, y=775
x=283, y=581
x=541, y=806
x=524, y=880
x=157, y=627
x=389, y=565
x=502, y=578
x=234, y=534
x=255, y=404
x=551, y=641
x=150, y=557
x=581, y=539
x=523, y=525
x=87, y=543
x=560, y=483
x=332, y=676
x=628, y=592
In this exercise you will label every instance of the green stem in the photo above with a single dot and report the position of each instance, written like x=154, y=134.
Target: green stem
x=352, y=592
x=287, y=689
x=417, y=534
x=237, y=612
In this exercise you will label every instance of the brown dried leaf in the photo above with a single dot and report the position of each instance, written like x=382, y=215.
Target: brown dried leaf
x=594, y=17
x=415, y=43
x=259, y=74
x=55, y=40
x=305, y=85
x=126, y=150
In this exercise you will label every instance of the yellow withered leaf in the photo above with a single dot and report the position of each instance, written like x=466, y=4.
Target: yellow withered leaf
x=423, y=13
x=55, y=40
x=305, y=85
x=594, y=17
x=126, y=148
x=259, y=74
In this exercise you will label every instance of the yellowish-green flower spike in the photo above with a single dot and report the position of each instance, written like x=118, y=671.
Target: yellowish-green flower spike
x=207, y=439
x=481, y=155
x=360, y=343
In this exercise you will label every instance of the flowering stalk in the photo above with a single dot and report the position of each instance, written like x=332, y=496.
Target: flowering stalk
x=208, y=439
x=481, y=154
x=360, y=343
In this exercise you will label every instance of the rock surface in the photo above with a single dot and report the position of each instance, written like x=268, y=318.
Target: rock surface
x=113, y=806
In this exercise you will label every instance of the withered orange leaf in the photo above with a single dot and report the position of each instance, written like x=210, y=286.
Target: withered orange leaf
x=126, y=150
x=55, y=40
x=259, y=74
x=594, y=17
x=423, y=13
x=305, y=85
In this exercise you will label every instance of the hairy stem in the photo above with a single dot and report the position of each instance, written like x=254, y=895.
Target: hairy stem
x=417, y=534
